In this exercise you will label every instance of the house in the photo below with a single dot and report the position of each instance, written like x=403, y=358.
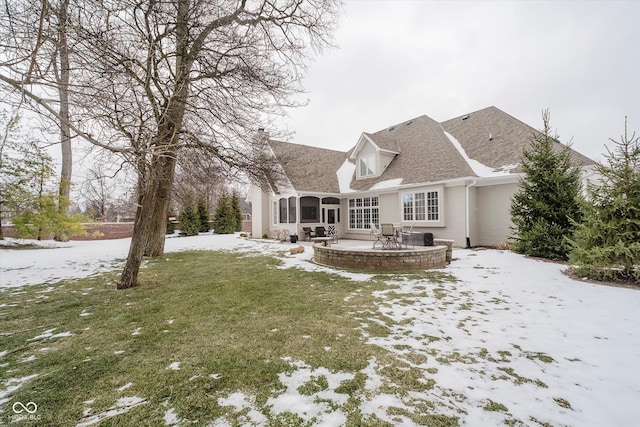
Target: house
x=453, y=179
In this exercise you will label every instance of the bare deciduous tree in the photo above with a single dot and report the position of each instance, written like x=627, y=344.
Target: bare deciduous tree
x=151, y=78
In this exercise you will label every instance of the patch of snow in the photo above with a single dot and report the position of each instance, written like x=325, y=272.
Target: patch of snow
x=138, y=331
x=170, y=417
x=11, y=385
x=49, y=334
x=124, y=387
x=123, y=405
x=478, y=168
x=175, y=366
x=345, y=174
x=240, y=402
x=390, y=183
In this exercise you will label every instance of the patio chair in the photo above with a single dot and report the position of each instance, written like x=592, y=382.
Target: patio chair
x=376, y=234
x=390, y=237
x=308, y=233
x=406, y=235
x=321, y=232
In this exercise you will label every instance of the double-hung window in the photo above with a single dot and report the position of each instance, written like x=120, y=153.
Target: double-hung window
x=421, y=206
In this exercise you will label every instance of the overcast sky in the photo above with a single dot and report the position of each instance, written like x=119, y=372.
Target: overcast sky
x=397, y=60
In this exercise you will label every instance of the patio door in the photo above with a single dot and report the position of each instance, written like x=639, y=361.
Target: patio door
x=332, y=219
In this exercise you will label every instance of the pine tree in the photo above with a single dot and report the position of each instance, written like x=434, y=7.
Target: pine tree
x=189, y=221
x=237, y=210
x=203, y=215
x=547, y=205
x=224, y=221
x=606, y=245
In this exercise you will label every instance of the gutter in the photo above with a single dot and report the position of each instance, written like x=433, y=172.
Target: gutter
x=467, y=211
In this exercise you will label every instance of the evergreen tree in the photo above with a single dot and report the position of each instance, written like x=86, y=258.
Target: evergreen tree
x=237, y=210
x=224, y=221
x=189, y=221
x=203, y=215
x=547, y=204
x=606, y=245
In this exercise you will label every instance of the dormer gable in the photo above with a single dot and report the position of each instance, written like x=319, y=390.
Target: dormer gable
x=372, y=154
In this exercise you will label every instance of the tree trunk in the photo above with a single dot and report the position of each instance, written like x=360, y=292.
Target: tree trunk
x=141, y=226
x=65, y=131
x=164, y=171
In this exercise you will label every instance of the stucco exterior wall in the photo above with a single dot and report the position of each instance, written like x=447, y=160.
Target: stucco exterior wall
x=455, y=216
x=390, y=208
x=492, y=214
x=260, y=211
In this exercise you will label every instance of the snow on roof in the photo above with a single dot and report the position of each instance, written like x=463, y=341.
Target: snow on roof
x=390, y=183
x=478, y=168
x=345, y=173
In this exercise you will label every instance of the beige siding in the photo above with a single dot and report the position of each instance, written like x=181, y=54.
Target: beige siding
x=492, y=213
x=367, y=149
x=385, y=159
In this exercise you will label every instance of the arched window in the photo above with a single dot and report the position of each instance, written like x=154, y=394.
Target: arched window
x=309, y=209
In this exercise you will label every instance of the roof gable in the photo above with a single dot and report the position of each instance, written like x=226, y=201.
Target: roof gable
x=379, y=143
x=426, y=155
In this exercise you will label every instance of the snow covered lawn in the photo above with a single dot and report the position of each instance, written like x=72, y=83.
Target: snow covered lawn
x=495, y=338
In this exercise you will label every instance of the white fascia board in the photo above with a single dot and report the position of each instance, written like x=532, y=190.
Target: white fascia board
x=364, y=138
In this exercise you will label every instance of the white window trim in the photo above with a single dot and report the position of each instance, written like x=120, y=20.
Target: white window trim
x=371, y=162
x=426, y=221
x=274, y=213
x=370, y=207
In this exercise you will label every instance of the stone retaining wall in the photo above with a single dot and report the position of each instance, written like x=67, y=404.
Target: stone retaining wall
x=423, y=258
x=449, y=244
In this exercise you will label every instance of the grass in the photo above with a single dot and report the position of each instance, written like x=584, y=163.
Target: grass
x=227, y=321
x=204, y=327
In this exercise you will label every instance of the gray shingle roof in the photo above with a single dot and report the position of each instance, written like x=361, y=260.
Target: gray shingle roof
x=309, y=168
x=510, y=137
x=385, y=143
x=425, y=153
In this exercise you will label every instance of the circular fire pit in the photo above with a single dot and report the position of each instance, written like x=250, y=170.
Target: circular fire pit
x=416, y=258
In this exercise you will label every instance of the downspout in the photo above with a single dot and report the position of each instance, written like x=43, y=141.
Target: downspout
x=467, y=212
